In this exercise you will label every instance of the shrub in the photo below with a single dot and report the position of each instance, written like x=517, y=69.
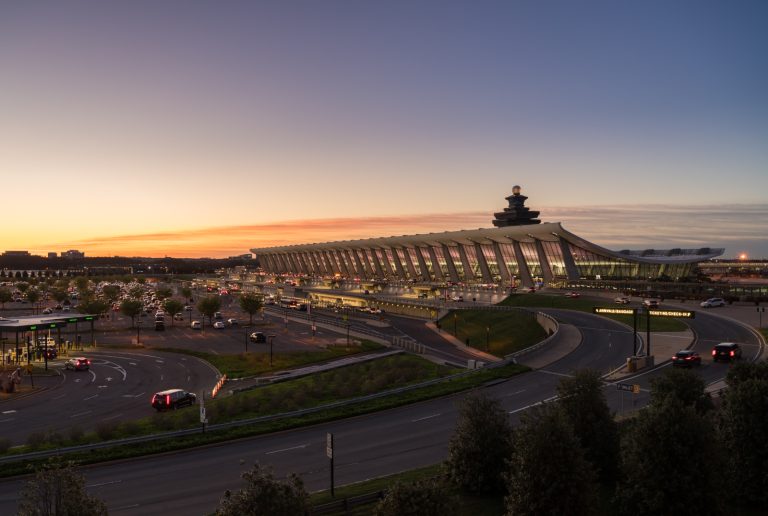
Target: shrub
x=5, y=444
x=36, y=440
x=106, y=430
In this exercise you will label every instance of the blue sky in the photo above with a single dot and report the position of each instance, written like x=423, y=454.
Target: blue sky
x=188, y=117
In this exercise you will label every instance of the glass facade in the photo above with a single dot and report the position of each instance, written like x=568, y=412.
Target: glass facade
x=438, y=259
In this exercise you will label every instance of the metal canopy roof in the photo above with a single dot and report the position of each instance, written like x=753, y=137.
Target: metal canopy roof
x=37, y=322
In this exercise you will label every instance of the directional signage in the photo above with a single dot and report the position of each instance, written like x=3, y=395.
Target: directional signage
x=629, y=387
x=613, y=311
x=329, y=445
x=686, y=314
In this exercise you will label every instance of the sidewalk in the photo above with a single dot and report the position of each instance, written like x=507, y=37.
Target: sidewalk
x=663, y=346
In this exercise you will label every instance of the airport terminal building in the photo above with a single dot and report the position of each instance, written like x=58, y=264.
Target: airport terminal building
x=519, y=250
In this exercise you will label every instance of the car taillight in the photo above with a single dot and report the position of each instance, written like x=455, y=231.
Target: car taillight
x=714, y=352
x=88, y=362
x=688, y=358
x=732, y=353
x=168, y=400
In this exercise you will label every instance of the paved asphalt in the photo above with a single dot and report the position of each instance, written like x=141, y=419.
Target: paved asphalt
x=369, y=446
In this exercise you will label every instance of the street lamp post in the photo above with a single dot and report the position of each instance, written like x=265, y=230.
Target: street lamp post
x=245, y=334
x=138, y=331
x=487, y=336
x=271, y=342
x=455, y=315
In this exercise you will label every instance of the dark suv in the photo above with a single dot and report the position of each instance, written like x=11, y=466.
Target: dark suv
x=727, y=351
x=686, y=358
x=173, y=399
x=258, y=337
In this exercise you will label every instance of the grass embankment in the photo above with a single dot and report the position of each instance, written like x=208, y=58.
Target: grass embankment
x=585, y=305
x=244, y=365
x=498, y=333
x=304, y=392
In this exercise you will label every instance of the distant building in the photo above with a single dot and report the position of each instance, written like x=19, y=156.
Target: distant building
x=73, y=254
x=52, y=255
x=520, y=248
x=247, y=256
x=16, y=253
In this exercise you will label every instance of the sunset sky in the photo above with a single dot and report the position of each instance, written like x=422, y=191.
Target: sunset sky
x=190, y=128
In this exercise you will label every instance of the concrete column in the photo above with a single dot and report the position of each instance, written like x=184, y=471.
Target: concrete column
x=451, y=266
x=377, y=263
x=570, y=265
x=342, y=264
x=546, y=268
x=502, y=263
x=362, y=271
x=483, y=264
x=522, y=265
x=399, y=265
x=387, y=264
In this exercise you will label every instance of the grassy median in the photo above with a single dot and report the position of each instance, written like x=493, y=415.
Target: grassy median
x=498, y=333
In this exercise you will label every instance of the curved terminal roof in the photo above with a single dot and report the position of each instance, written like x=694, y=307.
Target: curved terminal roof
x=548, y=232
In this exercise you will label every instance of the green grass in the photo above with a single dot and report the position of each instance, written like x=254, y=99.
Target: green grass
x=189, y=416
x=506, y=332
x=244, y=365
x=663, y=324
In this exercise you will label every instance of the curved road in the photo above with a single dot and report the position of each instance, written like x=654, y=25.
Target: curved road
x=369, y=446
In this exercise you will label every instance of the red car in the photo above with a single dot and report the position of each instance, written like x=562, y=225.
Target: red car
x=686, y=358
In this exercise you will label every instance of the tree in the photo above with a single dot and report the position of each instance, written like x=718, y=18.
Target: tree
x=548, y=471
x=186, y=293
x=743, y=425
x=208, y=306
x=60, y=295
x=670, y=445
x=422, y=498
x=163, y=293
x=684, y=385
x=57, y=488
x=81, y=282
x=173, y=307
x=480, y=446
x=136, y=291
x=251, y=303
x=22, y=286
x=93, y=306
x=263, y=494
x=5, y=296
x=583, y=402
x=131, y=308
x=33, y=296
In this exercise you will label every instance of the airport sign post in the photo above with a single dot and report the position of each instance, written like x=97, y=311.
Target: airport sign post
x=610, y=310
x=650, y=312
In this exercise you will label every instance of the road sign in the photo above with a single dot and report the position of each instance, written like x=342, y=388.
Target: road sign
x=629, y=387
x=329, y=445
x=613, y=311
x=685, y=314
x=202, y=414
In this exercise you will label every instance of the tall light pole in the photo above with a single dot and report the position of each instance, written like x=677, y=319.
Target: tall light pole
x=455, y=315
x=271, y=342
x=138, y=331
x=487, y=336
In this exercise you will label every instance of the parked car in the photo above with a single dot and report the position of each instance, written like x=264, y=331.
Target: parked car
x=172, y=399
x=196, y=325
x=187, y=308
x=48, y=352
x=219, y=325
x=621, y=300
x=651, y=302
x=713, y=302
x=258, y=337
x=217, y=315
x=727, y=351
x=232, y=321
x=178, y=317
x=47, y=311
x=159, y=325
x=572, y=294
x=78, y=364
x=686, y=358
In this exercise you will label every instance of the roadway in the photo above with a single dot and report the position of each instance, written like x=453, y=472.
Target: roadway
x=193, y=481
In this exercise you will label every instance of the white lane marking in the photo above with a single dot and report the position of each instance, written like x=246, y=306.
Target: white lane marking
x=108, y=378
x=132, y=363
x=7, y=420
x=90, y=397
x=423, y=418
x=555, y=374
x=104, y=483
x=93, y=375
x=160, y=361
x=286, y=449
x=111, y=417
x=188, y=377
x=162, y=377
x=77, y=380
x=8, y=411
x=81, y=414
x=532, y=405
x=133, y=395
x=58, y=397
x=213, y=351
x=103, y=386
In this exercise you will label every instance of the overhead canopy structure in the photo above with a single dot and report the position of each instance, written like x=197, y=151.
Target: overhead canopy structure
x=36, y=322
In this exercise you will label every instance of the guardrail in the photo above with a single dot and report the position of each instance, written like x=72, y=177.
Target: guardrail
x=345, y=504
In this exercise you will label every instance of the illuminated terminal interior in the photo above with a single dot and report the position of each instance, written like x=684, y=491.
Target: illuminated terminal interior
x=520, y=250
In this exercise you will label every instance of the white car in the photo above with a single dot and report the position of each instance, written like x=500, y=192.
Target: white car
x=196, y=325
x=178, y=317
x=713, y=302
x=219, y=325
x=621, y=300
x=232, y=321
x=651, y=302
